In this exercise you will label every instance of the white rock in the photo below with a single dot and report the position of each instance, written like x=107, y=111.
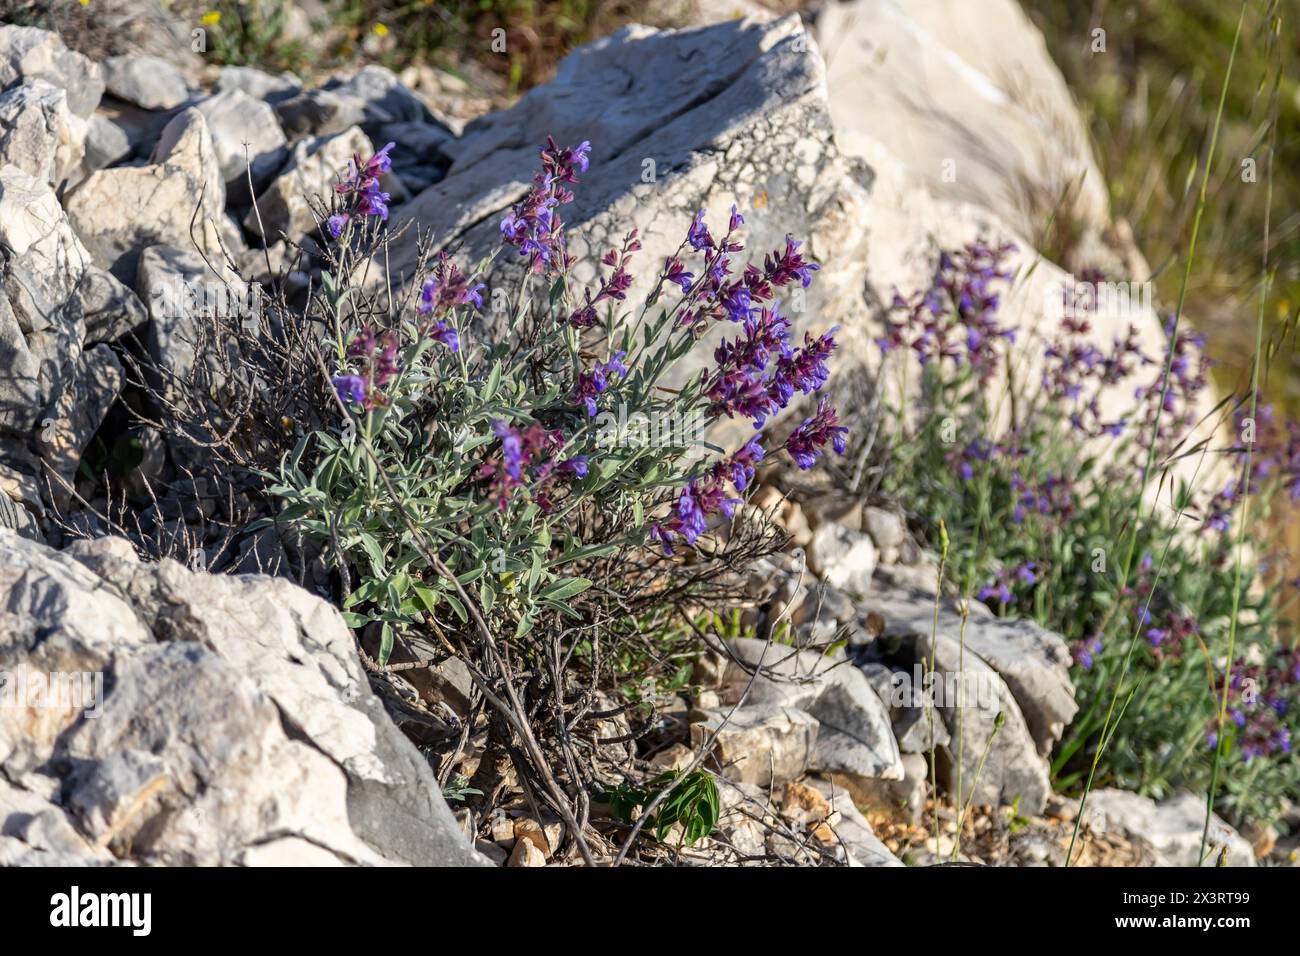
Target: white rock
x=372, y=97
x=106, y=143
x=760, y=744
x=852, y=829
x=247, y=137
x=78, y=412
x=54, y=303
x=1171, y=829
x=149, y=82
x=258, y=84
x=968, y=97
x=1033, y=661
x=32, y=53
x=232, y=716
x=39, y=133
x=973, y=698
x=842, y=557
x=118, y=212
x=855, y=736
x=887, y=528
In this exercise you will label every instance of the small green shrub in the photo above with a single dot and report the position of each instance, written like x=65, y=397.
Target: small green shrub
x=692, y=801
x=1037, y=484
x=523, y=501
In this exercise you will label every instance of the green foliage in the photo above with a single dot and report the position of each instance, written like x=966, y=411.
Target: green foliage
x=522, y=40
x=252, y=34
x=458, y=789
x=1039, y=517
x=692, y=802
x=430, y=441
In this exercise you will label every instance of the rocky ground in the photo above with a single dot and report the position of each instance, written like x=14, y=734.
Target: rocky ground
x=239, y=725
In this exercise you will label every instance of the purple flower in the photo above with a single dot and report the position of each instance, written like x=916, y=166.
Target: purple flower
x=665, y=537
x=743, y=384
x=616, y=364
x=533, y=225
x=740, y=468
x=512, y=449
x=955, y=319
x=443, y=331
x=529, y=454
x=579, y=155
x=1086, y=650
x=698, y=235
x=350, y=388
x=614, y=287
x=379, y=163
x=807, y=441
x=378, y=366
x=361, y=189
x=804, y=370
x=999, y=589
x=593, y=382
x=735, y=300
x=674, y=271
x=372, y=201
x=691, y=517
x=445, y=289
x=784, y=267
x=700, y=500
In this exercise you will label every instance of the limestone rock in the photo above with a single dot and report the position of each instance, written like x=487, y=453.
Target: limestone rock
x=118, y=212
x=258, y=84
x=149, y=82
x=761, y=744
x=79, y=411
x=32, y=53
x=247, y=139
x=526, y=853
x=888, y=532
x=852, y=829
x=39, y=133
x=989, y=719
x=55, y=302
x=1034, y=662
x=371, y=98
x=106, y=144
x=843, y=557
x=231, y=715
x=21, y=507
x=855, y=737
x=824, y=602
x=1171, y=829
x=418, y=152
x=968, y=97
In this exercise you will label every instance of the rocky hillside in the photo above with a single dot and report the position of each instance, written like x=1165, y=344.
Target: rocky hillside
x=209, y=708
